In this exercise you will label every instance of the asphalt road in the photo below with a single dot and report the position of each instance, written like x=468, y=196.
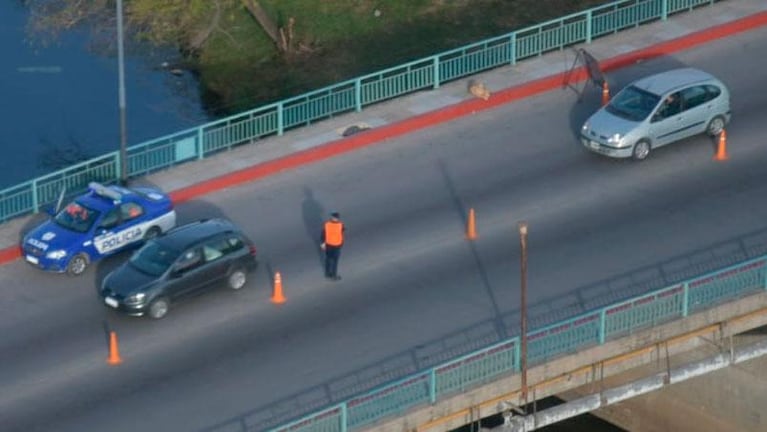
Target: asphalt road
x=415, y=292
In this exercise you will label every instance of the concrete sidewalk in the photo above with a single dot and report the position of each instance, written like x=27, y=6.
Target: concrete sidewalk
x=398, y=111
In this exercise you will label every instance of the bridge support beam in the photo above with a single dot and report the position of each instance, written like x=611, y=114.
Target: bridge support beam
x=731, y=398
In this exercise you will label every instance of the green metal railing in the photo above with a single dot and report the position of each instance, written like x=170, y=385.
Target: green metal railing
x=545, y=344
x=352, y=95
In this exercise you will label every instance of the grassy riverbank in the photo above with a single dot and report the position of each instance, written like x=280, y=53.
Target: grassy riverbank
x=341, y=39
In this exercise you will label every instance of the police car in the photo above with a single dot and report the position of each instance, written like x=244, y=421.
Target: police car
x=102, y=221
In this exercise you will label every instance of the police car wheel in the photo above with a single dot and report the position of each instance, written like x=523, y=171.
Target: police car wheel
x=237, y=279
x=77, y=265
x=159, y=308
x=152, y=233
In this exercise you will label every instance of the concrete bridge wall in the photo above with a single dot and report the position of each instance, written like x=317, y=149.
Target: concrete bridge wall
x=589, y=366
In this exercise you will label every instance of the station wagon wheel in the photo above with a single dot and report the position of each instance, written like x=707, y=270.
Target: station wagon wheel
x=641, y=150
x=77, y=265
x=237, y=279
x=715, y=126
x=159, y=308
x=152, y=233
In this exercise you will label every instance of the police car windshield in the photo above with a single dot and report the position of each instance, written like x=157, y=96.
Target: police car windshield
x=77, y=217
x=154, y=258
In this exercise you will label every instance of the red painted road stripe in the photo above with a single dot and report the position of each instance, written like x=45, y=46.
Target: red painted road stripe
x=367, y=138
x=9, y=254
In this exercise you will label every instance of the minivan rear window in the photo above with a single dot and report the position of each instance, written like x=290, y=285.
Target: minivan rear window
x=633, y=103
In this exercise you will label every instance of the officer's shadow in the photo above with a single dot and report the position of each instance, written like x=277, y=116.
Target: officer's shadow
x=313, y=214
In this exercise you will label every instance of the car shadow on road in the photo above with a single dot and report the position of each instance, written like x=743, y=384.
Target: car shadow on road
x=486, y=333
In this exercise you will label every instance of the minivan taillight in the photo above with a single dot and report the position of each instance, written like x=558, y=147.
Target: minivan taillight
x=252, y=249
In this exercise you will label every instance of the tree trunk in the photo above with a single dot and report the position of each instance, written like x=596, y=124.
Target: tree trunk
x=263, y=19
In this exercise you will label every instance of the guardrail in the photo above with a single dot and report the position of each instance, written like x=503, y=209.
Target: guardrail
x=544, y=344
x=352, y=95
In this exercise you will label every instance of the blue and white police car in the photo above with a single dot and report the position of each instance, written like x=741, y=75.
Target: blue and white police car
x=102, y=221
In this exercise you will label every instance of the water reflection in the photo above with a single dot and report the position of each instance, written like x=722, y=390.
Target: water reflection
x=59, y=103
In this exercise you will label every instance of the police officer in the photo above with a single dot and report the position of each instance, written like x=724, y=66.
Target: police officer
x=331, y=241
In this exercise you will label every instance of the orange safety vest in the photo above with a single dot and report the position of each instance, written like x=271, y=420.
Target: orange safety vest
x=334, y=233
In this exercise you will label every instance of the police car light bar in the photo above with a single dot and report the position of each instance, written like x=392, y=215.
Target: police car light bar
x=104, y=191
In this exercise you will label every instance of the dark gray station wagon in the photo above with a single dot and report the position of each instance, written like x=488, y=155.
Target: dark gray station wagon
x=658, y=110
x=187, y=260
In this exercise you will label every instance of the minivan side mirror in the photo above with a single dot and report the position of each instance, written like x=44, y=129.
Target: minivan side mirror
x=175, y=272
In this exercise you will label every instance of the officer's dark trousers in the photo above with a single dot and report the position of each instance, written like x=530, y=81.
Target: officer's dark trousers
x=332, y=254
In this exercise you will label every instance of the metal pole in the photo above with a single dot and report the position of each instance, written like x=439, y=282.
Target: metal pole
x=121, y=74
x=523, y=306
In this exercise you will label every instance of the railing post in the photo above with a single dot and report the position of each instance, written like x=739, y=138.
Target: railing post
x=589, y=27
x=436, y=72
x=433, y=385
x=517, y=354
x=602, y=326
x=513, y=48
x=358, y=95
x=280, y=119
x=685, y=299
x=200, y=147
x=664, y=10
x=765, y=279
x=344, y=418
x=35, y=199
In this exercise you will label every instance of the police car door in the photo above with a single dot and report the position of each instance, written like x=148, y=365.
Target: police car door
x=118, y=229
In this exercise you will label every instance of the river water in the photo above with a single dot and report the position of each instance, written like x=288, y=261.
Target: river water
x=60, y=103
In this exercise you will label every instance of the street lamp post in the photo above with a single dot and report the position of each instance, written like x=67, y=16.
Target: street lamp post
x=523, y=306
x=121, y=78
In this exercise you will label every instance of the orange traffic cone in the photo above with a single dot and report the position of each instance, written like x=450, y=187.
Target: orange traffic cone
x=277, y=296
x=114, y=352
x=605, y=93
x=471, y=228
x=721, y=148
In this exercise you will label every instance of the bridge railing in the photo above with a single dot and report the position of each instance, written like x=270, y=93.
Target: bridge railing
x=352, y=95
x=545, y=344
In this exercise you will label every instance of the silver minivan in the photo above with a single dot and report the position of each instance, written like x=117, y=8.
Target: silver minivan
x=658, y=110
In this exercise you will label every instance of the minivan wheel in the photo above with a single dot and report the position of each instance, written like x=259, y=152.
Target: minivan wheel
x=159, y=308
x=715, y=126
x=237, y=279
x=77, y=265
x=641, y=150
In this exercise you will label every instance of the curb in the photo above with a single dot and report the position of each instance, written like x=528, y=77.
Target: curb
x=461, y=109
